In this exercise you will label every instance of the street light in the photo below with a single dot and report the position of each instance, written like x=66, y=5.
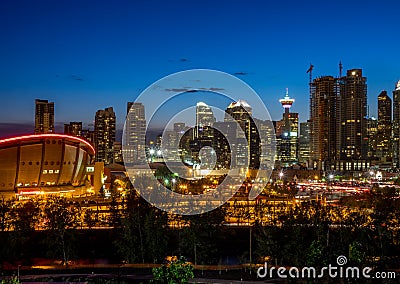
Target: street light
x=372, y=175
x=173, y=183
x=330, y=179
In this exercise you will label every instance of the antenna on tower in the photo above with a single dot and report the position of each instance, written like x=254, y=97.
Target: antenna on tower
x=340, y=69
x=287, y=92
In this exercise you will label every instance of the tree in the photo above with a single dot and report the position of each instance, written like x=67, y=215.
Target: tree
x=5, y=225
x=267, y=243
x=61, y=219
x=130, y=244
x=198, y=240
x=115, y=214
x=11, y=280
x=5, y=214
x=163, y=172
x=88, y=219
x=316, y=254
x=25, y=218
x=155, y=228
x=178, y=271
x=127, y=243
x=356, y=253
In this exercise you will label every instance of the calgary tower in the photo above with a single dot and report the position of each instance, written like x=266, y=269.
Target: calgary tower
x=287, y=102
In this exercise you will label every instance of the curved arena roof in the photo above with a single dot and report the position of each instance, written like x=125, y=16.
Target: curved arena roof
x=43, y=161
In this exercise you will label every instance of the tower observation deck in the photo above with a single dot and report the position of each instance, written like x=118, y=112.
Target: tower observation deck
x=286, y=102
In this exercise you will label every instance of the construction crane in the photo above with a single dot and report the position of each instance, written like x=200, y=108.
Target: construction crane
x=310, y=71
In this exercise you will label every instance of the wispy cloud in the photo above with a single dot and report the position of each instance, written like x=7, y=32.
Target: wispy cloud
x=76, y=78
x=188, y=89
x=216, y=89
x=179, y=60
x=177, y=90
x=240, y=73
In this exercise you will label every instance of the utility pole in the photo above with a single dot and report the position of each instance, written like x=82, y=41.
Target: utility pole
x=250, y=248
x=195, y=255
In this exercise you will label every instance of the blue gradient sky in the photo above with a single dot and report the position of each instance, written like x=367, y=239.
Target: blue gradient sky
x=88, y=55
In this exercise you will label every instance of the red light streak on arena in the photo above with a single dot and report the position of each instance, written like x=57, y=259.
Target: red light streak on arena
x=49, y=135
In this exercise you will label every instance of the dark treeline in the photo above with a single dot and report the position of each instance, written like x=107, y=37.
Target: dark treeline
x=365, y=229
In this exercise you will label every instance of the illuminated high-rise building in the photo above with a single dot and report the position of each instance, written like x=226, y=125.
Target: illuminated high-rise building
x=304, y=144
x=396, y=125
x=135, y=134
x=180, y=127
x=74, y=128
x=267, y=143
x=204, y=117
x=104, y=127
x=372, y=134
x=44, y=116
x=353, y=121
x=118, y=158
x=241, y=112
x=170, y=146
x=185, y=135
x=287, y=141
x=338, y=122
x=226, y=144
x=89, y=135
x=324, y=123
x=175, y=143
x=384, y=143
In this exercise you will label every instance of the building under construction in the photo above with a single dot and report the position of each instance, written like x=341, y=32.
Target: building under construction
x=338, y=124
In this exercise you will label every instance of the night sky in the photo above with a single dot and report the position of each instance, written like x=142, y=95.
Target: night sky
x=88, y=55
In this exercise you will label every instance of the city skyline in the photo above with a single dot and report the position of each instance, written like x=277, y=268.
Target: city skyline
x=108, y=54
x=342, y=136
x=11, y=128
x=199, y=141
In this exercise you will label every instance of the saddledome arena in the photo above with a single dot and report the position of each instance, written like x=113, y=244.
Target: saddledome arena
x=44, y=163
